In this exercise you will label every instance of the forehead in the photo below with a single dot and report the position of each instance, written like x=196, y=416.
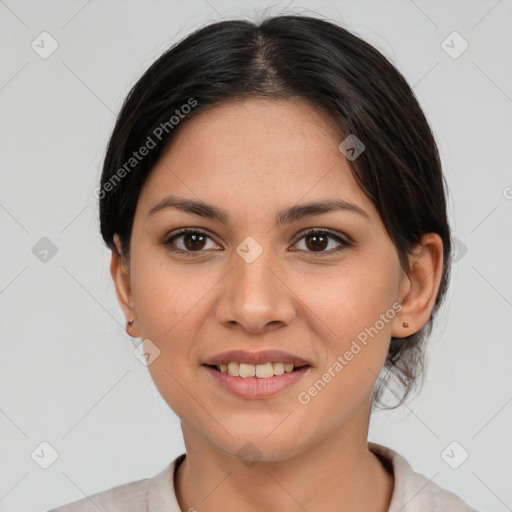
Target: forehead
x=253, y=155
x=263, y=127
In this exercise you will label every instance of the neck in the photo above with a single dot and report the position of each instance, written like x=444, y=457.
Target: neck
x=339, y=473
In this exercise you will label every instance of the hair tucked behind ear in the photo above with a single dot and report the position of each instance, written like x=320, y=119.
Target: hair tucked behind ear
x=337, y=72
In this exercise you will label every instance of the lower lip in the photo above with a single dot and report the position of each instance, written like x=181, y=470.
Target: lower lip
x=254, y=387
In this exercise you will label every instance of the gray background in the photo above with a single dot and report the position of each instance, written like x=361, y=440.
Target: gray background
x=68, y=373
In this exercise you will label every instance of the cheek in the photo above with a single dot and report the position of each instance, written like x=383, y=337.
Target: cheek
x=163, y=310
x=166, y=295
x=352, y=299
x=170, y=303
x=354, y=354
x=358, y=305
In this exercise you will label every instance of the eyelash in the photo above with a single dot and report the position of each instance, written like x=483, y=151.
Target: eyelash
x=313, y=231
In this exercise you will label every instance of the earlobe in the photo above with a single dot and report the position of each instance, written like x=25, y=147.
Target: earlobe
x=419, y=288
x=120, y=272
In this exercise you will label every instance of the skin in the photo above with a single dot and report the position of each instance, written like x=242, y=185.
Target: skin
x=254, y=158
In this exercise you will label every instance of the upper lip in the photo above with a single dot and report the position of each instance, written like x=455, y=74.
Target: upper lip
x=261, y=357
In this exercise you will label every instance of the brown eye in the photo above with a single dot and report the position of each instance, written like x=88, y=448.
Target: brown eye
x=193, y=241
x=188, y=240
x=317, y=241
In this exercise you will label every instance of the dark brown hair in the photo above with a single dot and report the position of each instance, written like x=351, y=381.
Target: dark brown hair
x=334, y=70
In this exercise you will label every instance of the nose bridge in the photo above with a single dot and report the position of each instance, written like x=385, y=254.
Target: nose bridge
x=255, y=297
x=254, y=280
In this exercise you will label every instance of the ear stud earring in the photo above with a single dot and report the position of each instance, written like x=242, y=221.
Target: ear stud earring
x=405, y=325
x=130, y=322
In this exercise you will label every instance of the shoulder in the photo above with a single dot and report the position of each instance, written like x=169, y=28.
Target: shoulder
x=155, y=494
x=131, y=496
x=414, y=492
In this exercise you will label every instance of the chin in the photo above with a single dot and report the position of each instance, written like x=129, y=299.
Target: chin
x=259, y=446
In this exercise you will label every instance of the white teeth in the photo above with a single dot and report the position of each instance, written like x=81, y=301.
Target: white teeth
x=278, y=368
x=247, y=370
x=233, y=369
x=261, y=371
x=264, y=371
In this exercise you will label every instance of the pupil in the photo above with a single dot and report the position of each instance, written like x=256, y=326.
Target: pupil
x=194, y=244
x=316, y=244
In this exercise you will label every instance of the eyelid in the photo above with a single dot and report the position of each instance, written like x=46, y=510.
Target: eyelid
x=335, y=234
x=184, y=231
x=343, y=240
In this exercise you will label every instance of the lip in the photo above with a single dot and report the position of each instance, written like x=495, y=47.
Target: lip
x=261, y=357
x=253, y=387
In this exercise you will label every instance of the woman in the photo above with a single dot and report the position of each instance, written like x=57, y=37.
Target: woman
x=273, y=198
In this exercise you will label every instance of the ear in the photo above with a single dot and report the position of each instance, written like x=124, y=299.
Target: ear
x=120, y=272
x=419, y=287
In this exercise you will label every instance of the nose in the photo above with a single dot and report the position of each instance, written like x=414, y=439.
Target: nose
x=255, y=297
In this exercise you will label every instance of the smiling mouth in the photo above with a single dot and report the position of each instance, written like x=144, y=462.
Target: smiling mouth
x=258, y=371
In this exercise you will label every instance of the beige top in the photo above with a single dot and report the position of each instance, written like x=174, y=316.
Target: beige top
x=412, y=492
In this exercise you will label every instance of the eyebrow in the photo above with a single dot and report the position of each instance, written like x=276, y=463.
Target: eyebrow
x=286, y=216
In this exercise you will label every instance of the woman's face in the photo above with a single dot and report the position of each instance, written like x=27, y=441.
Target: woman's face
x=254, y=280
